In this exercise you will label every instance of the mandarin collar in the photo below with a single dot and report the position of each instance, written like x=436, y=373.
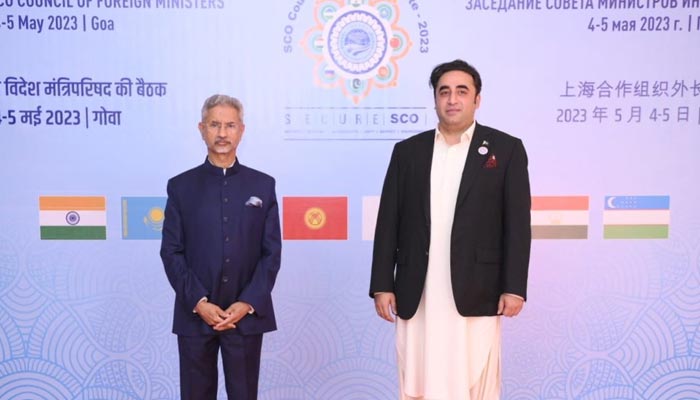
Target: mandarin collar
x=214, y=170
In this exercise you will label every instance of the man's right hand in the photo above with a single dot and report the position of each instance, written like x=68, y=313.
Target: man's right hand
x=385, y=304
x=212, y=314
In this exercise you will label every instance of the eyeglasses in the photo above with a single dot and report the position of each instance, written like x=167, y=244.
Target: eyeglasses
x=216, y=126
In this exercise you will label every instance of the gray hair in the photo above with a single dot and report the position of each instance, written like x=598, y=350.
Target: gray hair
x=219, y=100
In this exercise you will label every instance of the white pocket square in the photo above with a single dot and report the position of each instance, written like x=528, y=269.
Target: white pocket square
x=254, y=201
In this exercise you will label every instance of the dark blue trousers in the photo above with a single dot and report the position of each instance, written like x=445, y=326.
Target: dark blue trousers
x=240, y=355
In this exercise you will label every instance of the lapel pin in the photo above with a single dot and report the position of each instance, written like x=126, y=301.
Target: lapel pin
x=484, y=148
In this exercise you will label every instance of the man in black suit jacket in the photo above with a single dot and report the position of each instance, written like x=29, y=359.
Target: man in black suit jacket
x=221, y=251
x=489, y=243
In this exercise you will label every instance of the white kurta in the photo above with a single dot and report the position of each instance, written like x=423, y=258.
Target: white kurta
x=441, y=354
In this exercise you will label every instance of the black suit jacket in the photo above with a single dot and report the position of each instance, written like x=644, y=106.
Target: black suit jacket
x=490, y=243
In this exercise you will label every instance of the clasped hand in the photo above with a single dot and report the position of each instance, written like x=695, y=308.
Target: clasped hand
x=219, y=319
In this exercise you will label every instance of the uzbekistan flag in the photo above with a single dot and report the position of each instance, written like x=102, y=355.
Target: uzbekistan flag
x=315, y=218
x=73, y=217
x=142, y=217
x=636, y=217
x=559, y=217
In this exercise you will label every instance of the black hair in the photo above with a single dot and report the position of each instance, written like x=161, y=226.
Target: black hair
x=456, y=65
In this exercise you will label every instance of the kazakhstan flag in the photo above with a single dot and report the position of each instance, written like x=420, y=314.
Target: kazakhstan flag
x=142, y=217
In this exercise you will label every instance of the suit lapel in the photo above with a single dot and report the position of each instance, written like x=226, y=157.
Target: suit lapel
x=474, y=162
x=424, y=161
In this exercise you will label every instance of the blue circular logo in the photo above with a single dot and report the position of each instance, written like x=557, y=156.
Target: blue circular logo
x=357, y=42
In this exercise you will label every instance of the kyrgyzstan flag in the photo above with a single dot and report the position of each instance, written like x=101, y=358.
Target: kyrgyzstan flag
x=315, y=218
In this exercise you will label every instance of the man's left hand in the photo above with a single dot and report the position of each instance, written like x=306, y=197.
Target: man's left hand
x=510, y=305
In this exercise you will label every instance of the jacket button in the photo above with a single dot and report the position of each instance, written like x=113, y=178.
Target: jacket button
x=426, y=253
x=225, y=199
x=225, y=219
x=224, y=279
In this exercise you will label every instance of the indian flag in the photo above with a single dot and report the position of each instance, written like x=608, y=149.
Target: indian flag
x=559, y=217
x=636, y=217
x=73, y=217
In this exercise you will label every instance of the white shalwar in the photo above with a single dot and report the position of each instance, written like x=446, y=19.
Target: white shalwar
x=441, y=354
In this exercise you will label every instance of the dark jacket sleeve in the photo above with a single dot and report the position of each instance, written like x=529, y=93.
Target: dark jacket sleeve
x=258, y=291
x=386, y=231
x=188, y=289
x=517, y=230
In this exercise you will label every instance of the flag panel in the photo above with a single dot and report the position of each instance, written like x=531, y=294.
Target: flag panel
x=370, y=209
x=559, y=217
x=73, y=217
x=315, y=218
x=142, y=217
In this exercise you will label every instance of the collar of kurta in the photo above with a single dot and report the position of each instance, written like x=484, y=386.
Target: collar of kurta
x=464, y=136
x=214, y=170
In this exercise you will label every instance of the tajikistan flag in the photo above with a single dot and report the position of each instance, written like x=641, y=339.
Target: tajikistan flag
x=72, y=217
